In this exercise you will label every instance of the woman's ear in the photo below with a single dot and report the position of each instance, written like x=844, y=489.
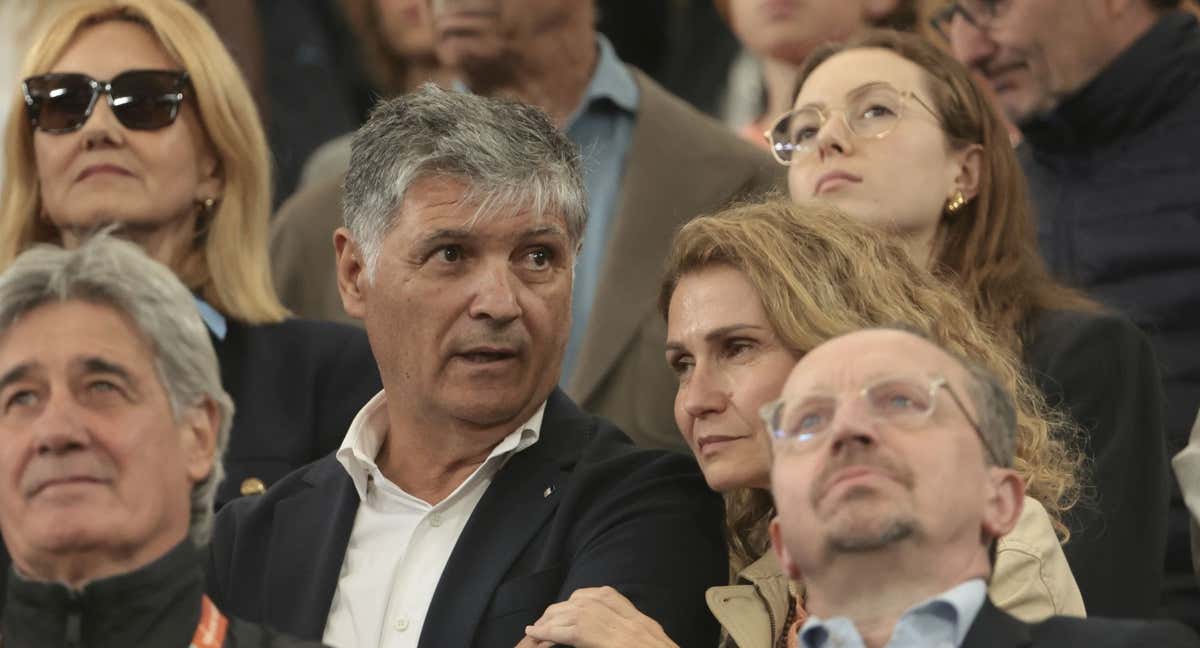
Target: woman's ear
x=968, y=168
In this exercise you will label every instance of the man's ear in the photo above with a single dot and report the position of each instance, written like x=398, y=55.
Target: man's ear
x=200, y=427
x=781, y=552
x=351, y=273
x=1006, y=499
x=968, y=170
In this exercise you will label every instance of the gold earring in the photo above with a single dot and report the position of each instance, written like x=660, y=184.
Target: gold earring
x=956, y=202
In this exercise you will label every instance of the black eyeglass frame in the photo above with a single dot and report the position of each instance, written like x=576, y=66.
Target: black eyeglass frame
x=175, y=96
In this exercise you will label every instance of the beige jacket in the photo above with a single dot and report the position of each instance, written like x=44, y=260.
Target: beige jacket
x=1031, y=581
x=1187, y=471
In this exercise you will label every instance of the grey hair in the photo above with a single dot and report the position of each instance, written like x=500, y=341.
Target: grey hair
x=507, y=153
x=995, y=408
x=995, y=411
x=116, y=273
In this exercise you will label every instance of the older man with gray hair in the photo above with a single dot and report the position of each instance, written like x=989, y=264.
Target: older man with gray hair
x=112, y=424
x=471, y=493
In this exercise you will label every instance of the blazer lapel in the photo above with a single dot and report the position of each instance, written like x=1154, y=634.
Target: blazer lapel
x=308, y=543
x=994, y=628
x=671, y=175
x=513, y=510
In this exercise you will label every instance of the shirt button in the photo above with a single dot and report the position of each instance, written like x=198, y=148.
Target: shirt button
x=401, y=624
x=435, y=520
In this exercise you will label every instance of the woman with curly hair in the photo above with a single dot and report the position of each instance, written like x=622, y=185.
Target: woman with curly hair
x=747, y=292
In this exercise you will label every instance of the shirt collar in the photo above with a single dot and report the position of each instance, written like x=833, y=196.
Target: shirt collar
x=368, y=429
x=958, y=606
x=213, y=319
x=611, y=81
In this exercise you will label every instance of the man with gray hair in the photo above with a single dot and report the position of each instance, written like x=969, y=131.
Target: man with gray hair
x=111, y=431
x=471, y=493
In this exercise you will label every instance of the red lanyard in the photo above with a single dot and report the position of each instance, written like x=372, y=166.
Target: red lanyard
x=210, y=632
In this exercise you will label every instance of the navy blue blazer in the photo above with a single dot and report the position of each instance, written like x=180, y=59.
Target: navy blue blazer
x=296, y=385
x=994, y=628
x=580, y=508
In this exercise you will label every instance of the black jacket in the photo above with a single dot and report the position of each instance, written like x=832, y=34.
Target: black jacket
x=157, y=606
x=1100, y=369
x=296, y=387
x=994, y=628
x=1115, y=177
x=582, y=507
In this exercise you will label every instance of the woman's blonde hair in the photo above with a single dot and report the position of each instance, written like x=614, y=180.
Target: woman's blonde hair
x=228, y=267
x=819, y=274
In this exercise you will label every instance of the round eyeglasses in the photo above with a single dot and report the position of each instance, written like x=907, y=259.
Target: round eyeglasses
x=904, y=402
x=871, y=112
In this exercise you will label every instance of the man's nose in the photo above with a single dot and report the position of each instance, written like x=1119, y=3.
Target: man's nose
x=853, y=425
x=59, y=428
x=971, y=45
x=496, y=293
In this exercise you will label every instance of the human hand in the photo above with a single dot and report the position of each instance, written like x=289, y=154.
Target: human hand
x=596, y=617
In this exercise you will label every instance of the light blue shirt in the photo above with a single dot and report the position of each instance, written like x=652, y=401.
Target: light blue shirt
x=940, y=622
x=213, y=319
x=602, y=127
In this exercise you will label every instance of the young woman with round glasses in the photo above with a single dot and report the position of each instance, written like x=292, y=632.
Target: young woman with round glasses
x=747, y=292
x=131, y=112
x=892, y=130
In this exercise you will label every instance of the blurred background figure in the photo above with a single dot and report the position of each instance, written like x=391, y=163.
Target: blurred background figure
x=397, y=45
x=780, y=34
x=892, y=129
x=1107, y=97
x=136, y=115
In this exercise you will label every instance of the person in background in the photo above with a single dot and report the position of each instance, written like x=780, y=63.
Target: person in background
x=892, y=129
x=471, y=493
x=134, y=114
x=651, y=162
x=894, y=478
x=111, y=434
x=1107, y=97
x=397, y=43
x=780, y=35
x=747, y=292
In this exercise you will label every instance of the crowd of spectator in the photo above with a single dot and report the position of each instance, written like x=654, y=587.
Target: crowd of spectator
x=498, y=323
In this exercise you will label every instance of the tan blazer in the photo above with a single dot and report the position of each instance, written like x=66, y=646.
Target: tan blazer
x=1187, y=471
x=680, y=164
x=1031, y=581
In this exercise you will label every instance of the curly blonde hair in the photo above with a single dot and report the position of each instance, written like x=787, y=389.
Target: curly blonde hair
x=819, y=274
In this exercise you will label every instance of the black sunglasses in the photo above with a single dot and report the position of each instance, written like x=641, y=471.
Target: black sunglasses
x=140, y=99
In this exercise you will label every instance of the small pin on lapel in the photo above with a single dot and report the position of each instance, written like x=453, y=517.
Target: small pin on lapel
x=546, y=493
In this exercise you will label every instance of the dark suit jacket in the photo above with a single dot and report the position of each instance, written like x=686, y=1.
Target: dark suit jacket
x=580, y=508
x=680, y=164
x=296, y=386
x=993, y=628
x=1101, y=370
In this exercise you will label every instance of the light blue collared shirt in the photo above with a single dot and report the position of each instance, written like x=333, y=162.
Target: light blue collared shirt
x=213, y=319
x=602, y=128
x=940, y=622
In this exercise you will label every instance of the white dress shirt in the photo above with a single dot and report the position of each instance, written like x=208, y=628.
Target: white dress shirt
x=400, y=544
